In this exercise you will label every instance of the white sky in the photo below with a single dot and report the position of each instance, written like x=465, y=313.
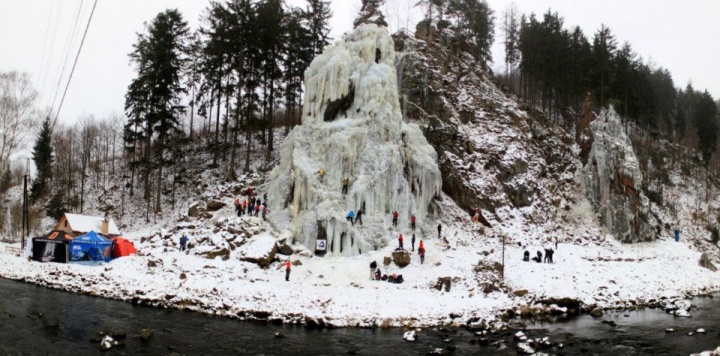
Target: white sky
x=676, y=35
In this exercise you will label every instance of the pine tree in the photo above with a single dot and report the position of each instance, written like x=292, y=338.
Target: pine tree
x=318, y=15
x=43, y=158
x=604, y=47
x=153, y=101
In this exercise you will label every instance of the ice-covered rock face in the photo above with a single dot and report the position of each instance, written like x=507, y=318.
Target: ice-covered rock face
x=352, y=127
x=613, y=180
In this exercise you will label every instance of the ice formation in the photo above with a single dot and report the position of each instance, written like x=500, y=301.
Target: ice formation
x=352, y=127
x=613, y=180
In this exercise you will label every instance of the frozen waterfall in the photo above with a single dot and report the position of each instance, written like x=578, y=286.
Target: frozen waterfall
x=352, y=127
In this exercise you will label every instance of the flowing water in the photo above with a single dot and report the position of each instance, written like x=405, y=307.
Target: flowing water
x=39, y=321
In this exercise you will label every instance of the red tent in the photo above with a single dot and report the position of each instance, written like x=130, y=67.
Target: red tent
x=122, y=247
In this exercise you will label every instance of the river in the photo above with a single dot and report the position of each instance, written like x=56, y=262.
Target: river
x=39, y=321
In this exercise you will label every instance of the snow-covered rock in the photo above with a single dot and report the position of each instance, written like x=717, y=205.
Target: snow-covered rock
x=715, y=352
x=260, y=250
x=524, y=348
x=409, y=335
x=613, y=180
x=352, y=127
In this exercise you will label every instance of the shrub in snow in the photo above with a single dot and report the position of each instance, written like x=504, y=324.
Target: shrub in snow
x=352, y=127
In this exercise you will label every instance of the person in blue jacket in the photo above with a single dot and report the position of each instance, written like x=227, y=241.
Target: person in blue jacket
x=351, y=217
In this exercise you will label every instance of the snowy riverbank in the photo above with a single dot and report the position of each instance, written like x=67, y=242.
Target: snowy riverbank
x=337, y=290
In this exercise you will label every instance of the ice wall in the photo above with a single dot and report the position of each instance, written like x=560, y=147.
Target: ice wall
x=613, y=180
x=352, y=127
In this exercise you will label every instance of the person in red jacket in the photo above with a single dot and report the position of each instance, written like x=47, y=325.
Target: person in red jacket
x=395, y=218
x=400, y=241
x=412, y=222
x=287, y=266
x=421, y=251
x=257, y=209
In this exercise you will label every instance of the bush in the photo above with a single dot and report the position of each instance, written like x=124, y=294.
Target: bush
x=654, y=196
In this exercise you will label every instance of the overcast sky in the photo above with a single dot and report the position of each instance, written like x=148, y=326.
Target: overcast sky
x=36, y=35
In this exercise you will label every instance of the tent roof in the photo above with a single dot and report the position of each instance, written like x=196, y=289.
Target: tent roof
x=55, y=235
x=85, y=223
x=91, y=237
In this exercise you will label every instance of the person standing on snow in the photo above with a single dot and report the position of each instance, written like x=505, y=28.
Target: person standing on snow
x=237, y=206
x=412, y=242
x=439, y=229
x=358, y=217
x=251, y=208
x=183, y=242
x=412, y=222
x=421, y=251
x=345, y=183
x=265, y=211
x=287, y=269
x=400, y=241
x=257, y=208
x=351, y=217
x=395, y=218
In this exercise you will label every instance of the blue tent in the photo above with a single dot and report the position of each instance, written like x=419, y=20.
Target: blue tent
x=90, y=247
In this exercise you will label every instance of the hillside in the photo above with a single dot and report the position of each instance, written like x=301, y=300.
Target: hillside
x=525, y=175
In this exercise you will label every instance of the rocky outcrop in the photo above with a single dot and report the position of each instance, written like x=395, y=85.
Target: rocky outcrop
x=706, y=263
x=613, y=180
x=215, y=205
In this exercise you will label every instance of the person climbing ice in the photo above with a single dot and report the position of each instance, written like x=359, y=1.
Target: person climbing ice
x=395, y=218
x=345, y=183
x=358, y=216
x=412, y=222
x=351, y=217
x=439, y=229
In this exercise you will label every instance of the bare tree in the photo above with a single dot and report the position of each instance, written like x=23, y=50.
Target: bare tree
x=18, y=115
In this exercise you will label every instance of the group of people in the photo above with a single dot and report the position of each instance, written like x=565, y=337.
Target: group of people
x=354, y=218
x=549, y=252
x=421, y=247
x=253, y=204
x=376, y=275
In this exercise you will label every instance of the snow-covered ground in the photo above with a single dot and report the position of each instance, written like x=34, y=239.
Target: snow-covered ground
x=338, y=290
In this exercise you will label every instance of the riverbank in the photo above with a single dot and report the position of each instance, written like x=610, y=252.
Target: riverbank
x=336, y=291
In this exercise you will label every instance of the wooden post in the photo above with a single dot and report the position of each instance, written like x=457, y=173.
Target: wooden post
x=502, y=271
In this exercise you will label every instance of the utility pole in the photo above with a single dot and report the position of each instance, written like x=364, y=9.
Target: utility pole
x=25, y=215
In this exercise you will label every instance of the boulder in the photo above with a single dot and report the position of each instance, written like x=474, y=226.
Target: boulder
x=520, y=292
x=146, y=334
x=260, y=250
x=215, y=205
x=387, y=260
x=222, y=253
x=285, y=249
x=524, y=348
x=443, y=281
x=596, y=313
x=705, y=262
x=194, y=210
x=401, y=258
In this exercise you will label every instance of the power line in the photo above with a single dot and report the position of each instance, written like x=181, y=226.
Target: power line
x=68, y=46
x=75, y=63
x=52, y=45
x=47, y=32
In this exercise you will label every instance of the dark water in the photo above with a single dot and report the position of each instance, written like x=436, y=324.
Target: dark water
x=40, y=321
